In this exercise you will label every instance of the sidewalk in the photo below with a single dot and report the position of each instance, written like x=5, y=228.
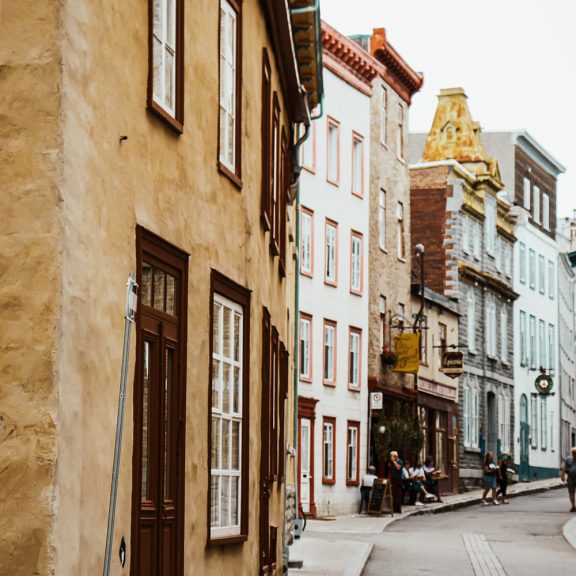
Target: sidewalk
x=345, y=554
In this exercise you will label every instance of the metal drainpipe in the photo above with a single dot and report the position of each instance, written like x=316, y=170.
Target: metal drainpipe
x=296, y=178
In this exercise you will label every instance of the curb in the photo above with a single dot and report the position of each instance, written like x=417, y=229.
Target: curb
x=569, y=532
x=448, y=507
x=359, y=568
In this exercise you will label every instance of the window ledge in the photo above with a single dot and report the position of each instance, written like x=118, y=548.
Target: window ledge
x=234, y=178
x=170, y=121
x=356, y=389
x=473, y=449
x=403, y=260
x=328, y=383
x=227, y=540
x=383, y=249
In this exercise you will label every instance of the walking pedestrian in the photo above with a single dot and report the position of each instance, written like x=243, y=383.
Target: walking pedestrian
x=503, y=464
x=568, y=474
x=366, y=487
x=489, y=479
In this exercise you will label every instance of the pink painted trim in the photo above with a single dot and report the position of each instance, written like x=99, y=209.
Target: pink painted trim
x=312, y=138
x=358, y=331
x=332, y=122
x=310, y=212
x=356, y=137
x=353, y=481
x=308, y=379
x=358, y=235
x=326, y=279
x=335, y=354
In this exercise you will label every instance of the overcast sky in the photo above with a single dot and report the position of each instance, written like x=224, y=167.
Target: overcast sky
x=516, y=60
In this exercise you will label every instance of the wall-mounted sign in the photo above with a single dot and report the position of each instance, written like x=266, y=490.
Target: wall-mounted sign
x=376, y=400
x=544, y=384
x=452, y=363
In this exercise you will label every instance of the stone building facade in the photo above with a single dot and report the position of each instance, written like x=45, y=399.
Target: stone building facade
x=468, y=232
x=530, y=173
x=389, y=254
x=122, y=151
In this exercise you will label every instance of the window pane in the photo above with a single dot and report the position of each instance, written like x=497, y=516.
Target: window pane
x=235, y=445
x=216, y=378
x=237, y=336
x=168, y=419
x=227, y=336
x=237, y=389
x=234, y=500
x=170, y=294
x=171, y=22
x=225, y=458
x=225, y=502
x=157, y=16
x=146, y=399
x=215, y=502
x=159, y=289
x=146, y=287
x=169, y=61
x=215, y=448
x=226, y=381
x=157, y=70
x=216, y=343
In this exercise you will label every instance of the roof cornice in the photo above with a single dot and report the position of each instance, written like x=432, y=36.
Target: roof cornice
x=397, y=72
x=537, y=152
x=348, y=60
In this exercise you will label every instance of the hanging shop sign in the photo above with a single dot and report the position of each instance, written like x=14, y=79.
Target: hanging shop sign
x=544, y=384
x=407, y=348
x=452, y=363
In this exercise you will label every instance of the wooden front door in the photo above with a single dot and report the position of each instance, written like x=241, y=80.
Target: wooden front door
x=159, y=410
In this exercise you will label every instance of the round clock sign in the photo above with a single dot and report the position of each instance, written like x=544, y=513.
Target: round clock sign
x=544, y=384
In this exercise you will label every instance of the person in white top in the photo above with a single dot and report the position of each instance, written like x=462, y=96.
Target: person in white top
x=366, y=486
x=417, y=479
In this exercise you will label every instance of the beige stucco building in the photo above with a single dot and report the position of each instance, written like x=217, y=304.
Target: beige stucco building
x=132, y=140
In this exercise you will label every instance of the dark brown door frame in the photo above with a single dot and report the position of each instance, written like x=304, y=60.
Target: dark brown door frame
x=165, y=332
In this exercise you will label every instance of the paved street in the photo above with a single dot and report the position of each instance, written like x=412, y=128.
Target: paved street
x=523, y=538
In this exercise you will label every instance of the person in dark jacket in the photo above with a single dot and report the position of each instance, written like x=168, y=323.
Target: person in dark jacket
x=503, y=467
x=393, y=471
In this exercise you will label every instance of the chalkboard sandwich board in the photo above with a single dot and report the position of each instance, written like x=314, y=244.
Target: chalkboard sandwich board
x=380, y=501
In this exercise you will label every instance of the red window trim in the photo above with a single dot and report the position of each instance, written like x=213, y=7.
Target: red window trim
x=309, y=212
x=334, y=324
x=353, y=424
x=330, y=121
x=327, y=479
x=353, y=330
x=357, y=137
x=308, y=379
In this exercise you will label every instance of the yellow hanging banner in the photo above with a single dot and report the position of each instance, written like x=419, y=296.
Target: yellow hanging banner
x=407, y=348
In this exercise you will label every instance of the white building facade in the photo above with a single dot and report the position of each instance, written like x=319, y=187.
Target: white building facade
x=333, y=286
x=529, y=173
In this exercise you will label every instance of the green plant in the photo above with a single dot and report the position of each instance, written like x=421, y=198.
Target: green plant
x=402, y=433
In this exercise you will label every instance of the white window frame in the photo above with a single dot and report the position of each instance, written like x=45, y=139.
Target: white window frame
x=354, y=352
x=536, y=216
x=228, y=86
x=477, y=238
x=532, y=268
x=533, y=422
x=357, y=164
x=306, y=241
x=465, y=234
x=545, y=211
x=542, y=344
x=471, y=319
x=331, y=253
x=551, y=279
x=522, y=262
x=543, y=424
x=228, y=416
x=504, y=334
x=401, y=249
x=526, y=190
x=384, y=116
x=541, y=274
x=333, y=151
x=490, y=224
x=400, y=134
x=164, y=39
x=523, y=339
x=533, y=341
x=551, y=347
x=329, y=353
x=382, y=219
x=328, y=472
x=352, y=439
x=305, y=348
x=356, y=261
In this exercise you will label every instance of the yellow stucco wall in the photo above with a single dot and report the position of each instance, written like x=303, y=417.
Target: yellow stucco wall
x=30, y=160
x=72, y=247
